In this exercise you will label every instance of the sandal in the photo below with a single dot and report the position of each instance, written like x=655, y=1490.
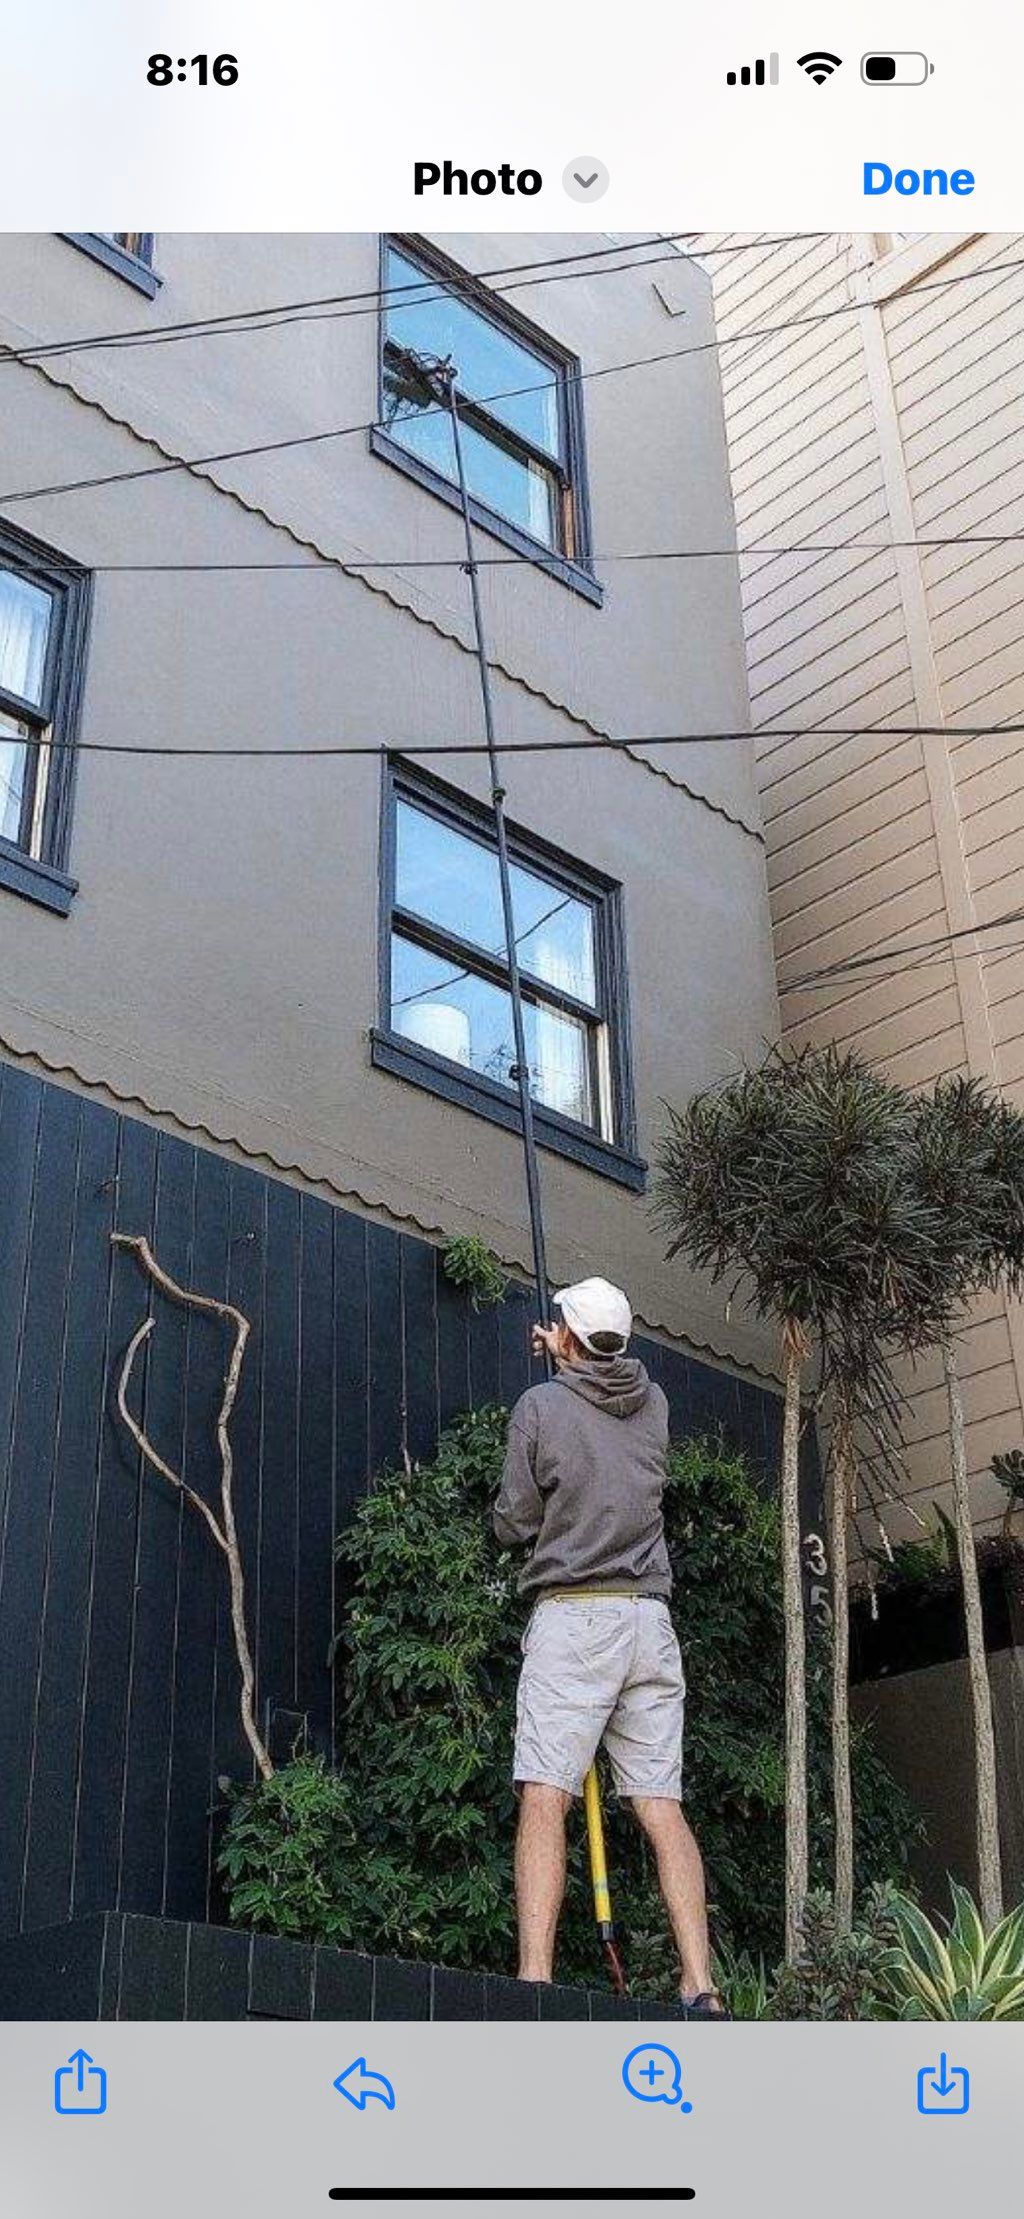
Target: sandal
x=707, y=2005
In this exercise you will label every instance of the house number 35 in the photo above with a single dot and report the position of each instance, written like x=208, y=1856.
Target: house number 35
x=816, y=1563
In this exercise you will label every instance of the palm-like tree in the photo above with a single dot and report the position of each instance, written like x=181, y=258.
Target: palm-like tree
x=792, y=1181
x=968, y=1170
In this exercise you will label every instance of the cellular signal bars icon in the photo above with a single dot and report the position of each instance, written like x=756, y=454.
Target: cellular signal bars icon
x=758, y=74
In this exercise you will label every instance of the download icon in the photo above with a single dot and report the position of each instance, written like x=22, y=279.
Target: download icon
x=943, y=2088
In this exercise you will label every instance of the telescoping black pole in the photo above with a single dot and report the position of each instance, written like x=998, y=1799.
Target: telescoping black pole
x=440, y=379
x=444, y=376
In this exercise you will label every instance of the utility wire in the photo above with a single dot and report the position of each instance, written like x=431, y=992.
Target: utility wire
x=325, y=564
x=917, y=947
x=933, y=950
x=573, y=377
x=452, y=288
x=883, y=977
x=593, y=742
x=274, y=314
x=368, y=299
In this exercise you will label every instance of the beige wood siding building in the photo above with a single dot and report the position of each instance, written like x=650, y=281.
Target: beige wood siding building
x=891, y=411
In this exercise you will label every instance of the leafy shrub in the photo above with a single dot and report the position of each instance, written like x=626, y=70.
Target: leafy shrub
x=1008, y=1469
x=431, y=1651
x=961, y=1973
x=469, y=1263
x=928, y=1560
x=285, y=1852
x=838, y=1976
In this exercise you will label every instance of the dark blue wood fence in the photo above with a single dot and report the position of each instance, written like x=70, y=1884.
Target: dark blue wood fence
x=118, y=1682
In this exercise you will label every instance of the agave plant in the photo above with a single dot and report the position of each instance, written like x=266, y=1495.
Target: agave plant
x=743, y=1980
x=959, y=1973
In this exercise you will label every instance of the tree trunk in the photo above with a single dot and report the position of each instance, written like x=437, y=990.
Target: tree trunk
x=840, y=1504
x=795, y=1350
x=990, y=1881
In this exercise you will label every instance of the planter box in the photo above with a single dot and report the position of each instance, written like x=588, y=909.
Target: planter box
x=120, y=1966
x=922, y=1624
x=911, y=1685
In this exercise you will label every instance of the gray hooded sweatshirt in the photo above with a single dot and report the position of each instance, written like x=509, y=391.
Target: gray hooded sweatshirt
x=583, y=1480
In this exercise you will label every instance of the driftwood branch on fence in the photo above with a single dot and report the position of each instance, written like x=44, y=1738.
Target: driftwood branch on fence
x=223, y=1530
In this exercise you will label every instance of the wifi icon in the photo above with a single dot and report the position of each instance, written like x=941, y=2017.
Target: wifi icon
x=820, y=66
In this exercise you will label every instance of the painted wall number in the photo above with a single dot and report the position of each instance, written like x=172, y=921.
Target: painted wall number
x=816, y=1565
x=221, y=69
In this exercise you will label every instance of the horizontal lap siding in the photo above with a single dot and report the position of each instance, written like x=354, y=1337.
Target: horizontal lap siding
x=119, y=1712
x=852, y=855
x=959, y=374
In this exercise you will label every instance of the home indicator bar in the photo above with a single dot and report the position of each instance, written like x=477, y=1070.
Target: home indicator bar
x=513, y=2195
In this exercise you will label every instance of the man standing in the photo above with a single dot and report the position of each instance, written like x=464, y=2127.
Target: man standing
x=583, y=1480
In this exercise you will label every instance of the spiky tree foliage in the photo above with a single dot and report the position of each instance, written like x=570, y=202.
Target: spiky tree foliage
x=791, y=1181
x=968, y=1171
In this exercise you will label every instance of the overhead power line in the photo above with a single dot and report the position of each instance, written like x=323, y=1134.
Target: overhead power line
x=325, y=564
x=575, y=377
x=937, y=948
x=449, y=289
x=367, y=301
x=591, y=743
x=991, y=952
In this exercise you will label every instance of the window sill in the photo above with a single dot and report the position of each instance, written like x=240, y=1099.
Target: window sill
x=38, y=882
x=571, y=574
x=469, y=1090
x=129, y=266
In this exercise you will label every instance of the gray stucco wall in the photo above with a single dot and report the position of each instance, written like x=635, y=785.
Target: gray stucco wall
x=219, y=964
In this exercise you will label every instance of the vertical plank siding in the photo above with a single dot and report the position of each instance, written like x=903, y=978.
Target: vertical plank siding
x=118, y=1684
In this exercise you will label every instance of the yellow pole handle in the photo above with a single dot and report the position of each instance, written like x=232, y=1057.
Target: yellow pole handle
x=595, y=1844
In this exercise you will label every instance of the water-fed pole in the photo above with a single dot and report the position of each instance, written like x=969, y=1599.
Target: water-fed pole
x=440, y=378
x=443, y=376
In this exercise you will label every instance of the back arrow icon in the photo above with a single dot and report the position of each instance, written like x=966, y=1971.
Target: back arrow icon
x=357, y=2085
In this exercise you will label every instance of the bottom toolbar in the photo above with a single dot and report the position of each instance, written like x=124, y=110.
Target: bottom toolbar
x=110, y=2121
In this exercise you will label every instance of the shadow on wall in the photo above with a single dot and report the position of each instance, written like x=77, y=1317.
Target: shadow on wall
x=914, y=1689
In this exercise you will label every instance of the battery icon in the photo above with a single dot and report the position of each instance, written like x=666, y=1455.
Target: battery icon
x=896, y=69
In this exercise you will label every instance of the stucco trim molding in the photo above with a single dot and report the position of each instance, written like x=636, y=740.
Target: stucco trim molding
x=340, y=1177
x=204, y=474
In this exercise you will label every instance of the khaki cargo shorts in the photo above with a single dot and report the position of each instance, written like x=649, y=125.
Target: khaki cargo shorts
x=603, y=1668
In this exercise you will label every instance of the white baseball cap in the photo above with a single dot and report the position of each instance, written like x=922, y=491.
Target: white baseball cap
x=595, y=1306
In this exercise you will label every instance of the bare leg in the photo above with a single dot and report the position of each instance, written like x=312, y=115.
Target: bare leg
x=540, y=1875
x=681, y=1879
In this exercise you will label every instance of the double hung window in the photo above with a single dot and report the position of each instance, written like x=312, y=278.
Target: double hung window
x=445, y=980
x=518, y=398
x=42, y=638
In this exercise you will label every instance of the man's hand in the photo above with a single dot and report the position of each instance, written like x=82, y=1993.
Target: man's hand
x=546, y=1337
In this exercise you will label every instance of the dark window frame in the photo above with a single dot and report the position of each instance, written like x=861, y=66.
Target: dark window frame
x=391, y=1051
x=575, y=571
x=43, y=878
x=136, y=269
